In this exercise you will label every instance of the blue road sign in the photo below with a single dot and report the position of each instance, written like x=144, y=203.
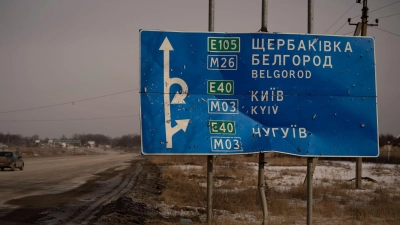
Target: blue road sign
x=238, y=93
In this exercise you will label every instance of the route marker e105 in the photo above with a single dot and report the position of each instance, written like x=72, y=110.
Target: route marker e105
x=223, y=44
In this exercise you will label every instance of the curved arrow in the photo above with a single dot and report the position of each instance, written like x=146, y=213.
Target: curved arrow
x=178, y=98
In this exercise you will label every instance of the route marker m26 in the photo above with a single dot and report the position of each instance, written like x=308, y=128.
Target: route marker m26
x=238, y=93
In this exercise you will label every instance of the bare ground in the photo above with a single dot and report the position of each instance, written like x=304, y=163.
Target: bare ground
x=166, y=193
x=137, y=206
x=133, y=204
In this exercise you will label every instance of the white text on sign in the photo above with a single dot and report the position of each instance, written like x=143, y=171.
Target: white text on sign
x=222, y=62
x=223, y=106
x=226, y=144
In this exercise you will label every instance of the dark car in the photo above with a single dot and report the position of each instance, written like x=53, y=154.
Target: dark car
x=11, y=160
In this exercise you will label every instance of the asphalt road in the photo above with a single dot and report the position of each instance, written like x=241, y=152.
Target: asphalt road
x=50, y=176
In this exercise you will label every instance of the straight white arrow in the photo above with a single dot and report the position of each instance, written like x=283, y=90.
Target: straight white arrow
x=178, y=98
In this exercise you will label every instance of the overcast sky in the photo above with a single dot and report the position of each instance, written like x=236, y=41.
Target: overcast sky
x=58, y=51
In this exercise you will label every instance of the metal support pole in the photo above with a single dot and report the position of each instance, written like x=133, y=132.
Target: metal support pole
x=309, y=190
x=211, y=12
x=315, y=162
x=261, y=156
x=310, y=29
x=261, y=188
x=264, y=16
x=210, y=158
x=358, y=172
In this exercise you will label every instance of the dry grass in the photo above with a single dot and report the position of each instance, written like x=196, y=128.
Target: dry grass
x=236, y=200
x=273, y=159
x=276, y=159
x=180, y=190
x=178, y=160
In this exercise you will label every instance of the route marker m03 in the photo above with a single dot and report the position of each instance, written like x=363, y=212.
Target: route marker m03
x=238, y=93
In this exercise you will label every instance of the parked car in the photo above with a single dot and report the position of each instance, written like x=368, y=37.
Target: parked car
x=11, y=160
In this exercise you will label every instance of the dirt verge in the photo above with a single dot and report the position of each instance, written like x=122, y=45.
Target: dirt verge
x=136, y=206
x=139, y=206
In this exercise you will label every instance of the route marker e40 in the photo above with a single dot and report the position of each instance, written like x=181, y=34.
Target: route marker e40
x=220, y=87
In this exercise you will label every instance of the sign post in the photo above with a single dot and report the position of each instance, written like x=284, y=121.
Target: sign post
x=311, y=162
x=261, y=155
x=240, y=93
x=210, y=158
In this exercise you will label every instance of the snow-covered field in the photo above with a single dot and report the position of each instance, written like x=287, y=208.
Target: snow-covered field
x=336, y=200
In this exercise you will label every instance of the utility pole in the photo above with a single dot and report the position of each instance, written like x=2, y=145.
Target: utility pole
x=361, y=26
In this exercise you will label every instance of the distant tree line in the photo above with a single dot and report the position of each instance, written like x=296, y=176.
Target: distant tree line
x=388, y=139
x=125, y=141
x=8, y=138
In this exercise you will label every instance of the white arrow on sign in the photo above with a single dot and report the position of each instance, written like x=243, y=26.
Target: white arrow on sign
x=178, y=98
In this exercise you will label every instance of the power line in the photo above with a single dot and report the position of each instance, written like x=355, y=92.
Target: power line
x=387, y=31
x=389, y=16
x=383, y=7
x=67, y=120
x=378, y=8
x=340, y=27
x=348, y=33
x=341, y=17
x=70, y=102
